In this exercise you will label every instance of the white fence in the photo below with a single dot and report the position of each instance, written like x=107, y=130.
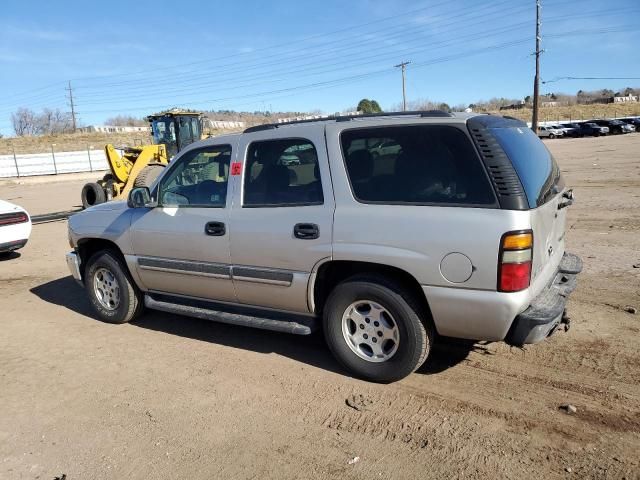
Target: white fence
x=51, y=163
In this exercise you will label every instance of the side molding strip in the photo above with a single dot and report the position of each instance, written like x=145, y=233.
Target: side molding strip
x=185, y=267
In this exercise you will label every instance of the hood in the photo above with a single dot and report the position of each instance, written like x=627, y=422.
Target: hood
x=116, y=205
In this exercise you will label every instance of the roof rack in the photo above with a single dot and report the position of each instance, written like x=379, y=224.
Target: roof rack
x=347, y=118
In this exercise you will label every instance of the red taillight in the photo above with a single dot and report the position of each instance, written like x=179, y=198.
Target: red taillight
x=12, y=218
x=515, y=276
x=514, y=262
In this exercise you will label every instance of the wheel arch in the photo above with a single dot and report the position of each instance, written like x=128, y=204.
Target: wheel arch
x=89, y=246
x=330, y=273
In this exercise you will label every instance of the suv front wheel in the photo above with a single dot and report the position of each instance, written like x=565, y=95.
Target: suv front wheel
x=373, y=328
x=114, y=296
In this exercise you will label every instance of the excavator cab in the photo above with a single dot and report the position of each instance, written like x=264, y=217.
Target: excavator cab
x=175, y=129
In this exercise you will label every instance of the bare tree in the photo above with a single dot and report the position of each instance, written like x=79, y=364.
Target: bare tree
x=126, y=121
x=51, y=122
x=24, y=122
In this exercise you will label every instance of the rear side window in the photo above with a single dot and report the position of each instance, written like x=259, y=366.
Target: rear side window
x=534, y=164
x=282, y=173
x=416, y=164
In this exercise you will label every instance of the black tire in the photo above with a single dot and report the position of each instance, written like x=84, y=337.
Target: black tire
x=148, y=175
x=130, y=299
x=92, y=194
x=415, y=336
x=551, y=136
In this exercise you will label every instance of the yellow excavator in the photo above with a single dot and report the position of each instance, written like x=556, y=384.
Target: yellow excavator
x=139, y=166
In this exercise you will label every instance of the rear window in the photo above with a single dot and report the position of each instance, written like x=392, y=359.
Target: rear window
x=534, y=164
x=416, y=164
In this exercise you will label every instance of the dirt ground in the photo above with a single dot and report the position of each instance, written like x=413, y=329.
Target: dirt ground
x=174, y=397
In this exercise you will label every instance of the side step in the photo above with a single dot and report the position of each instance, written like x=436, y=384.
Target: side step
x=278, y=322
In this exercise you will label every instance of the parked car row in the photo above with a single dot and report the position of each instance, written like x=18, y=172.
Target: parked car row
x=590, y=128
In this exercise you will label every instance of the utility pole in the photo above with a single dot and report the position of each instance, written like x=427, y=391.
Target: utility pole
x=403, y=66
x=73, y=110
x=536, y=81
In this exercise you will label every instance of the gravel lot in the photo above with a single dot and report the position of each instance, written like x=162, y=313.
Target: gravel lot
x=173, y=397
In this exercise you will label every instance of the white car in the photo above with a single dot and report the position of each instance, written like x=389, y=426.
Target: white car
x=549, y=132
x=15, y=227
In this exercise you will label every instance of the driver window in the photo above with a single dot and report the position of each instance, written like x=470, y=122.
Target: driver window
x=197, y=179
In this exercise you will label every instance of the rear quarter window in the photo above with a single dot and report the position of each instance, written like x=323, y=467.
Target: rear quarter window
x=415, y=165
x=532, y=161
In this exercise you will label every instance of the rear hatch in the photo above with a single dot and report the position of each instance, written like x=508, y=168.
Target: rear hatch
x=545, y=191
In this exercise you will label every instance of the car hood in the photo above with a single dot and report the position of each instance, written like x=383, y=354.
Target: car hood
x=116, y=205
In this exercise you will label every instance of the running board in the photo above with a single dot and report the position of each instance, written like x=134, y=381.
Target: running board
x=209, y=311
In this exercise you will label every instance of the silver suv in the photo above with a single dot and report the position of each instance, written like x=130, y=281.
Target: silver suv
x=455, y=227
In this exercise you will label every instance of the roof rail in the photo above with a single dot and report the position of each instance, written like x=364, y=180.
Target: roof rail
x=347, y=118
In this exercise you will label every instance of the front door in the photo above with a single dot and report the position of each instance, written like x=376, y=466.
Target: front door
x=282, y=217
x=182, y=245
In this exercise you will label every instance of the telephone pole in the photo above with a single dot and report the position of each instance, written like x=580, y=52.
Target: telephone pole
x=73, y=110
x=403, y=66
x=536, y=81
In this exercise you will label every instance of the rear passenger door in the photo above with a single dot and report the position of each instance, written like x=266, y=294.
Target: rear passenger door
x=282, y=216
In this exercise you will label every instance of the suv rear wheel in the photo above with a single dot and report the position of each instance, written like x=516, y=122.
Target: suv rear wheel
x=373, y=328
x=113, y=295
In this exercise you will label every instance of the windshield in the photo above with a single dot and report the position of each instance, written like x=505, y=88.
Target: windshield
x=164, y=133
x=534, y=164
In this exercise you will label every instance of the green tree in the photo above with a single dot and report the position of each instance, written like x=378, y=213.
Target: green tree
x=444, y=107
x=368, y=106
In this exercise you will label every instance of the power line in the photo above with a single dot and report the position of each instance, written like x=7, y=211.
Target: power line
x=341, y=65
x=155, y=79
x=558, y=79
x=349, y=63
x=306, y=52
x=254, y=66
x=347, y=79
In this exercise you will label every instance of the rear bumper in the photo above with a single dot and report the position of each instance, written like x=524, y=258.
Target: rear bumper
x=11, y=246
x=546, y=310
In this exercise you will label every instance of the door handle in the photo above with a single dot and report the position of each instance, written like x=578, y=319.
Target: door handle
x=215, y=229
x=306, y=231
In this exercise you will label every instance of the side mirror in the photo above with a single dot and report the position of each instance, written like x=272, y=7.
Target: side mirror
x=139, y=197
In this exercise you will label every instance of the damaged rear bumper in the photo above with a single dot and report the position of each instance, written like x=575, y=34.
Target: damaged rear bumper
x=547, y=310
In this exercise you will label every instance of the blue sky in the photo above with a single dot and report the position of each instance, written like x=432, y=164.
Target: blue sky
x=136, y=57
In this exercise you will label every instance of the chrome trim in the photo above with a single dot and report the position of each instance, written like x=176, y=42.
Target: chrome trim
x=185, y=267
x=185, y=272
x=262, y=275
x=262, y=280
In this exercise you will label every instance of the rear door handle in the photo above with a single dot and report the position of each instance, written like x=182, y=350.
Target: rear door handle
x=215, y=229
x=306, y=231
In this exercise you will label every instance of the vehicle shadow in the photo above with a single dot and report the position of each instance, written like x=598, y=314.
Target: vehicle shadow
x=309, y=349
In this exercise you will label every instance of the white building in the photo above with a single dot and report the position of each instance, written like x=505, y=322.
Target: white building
x=113, y=129
x=626, y=99
x=223, y=124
